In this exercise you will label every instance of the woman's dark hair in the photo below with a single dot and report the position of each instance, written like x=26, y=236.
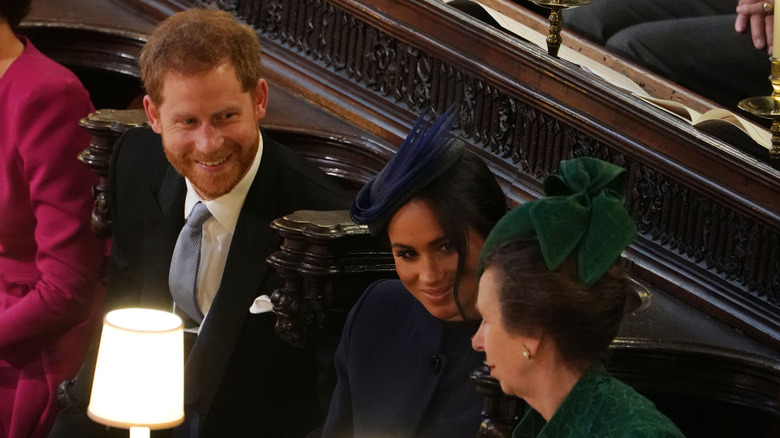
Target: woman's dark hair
x=581, y=320
x=13, y=11
x=464, y=196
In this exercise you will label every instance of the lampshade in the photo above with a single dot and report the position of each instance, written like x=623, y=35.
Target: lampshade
x=139, y=375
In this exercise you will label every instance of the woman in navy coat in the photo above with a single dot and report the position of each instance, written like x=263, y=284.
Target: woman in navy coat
x=404, y=359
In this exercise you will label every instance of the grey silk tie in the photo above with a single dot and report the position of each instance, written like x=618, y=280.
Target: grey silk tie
x=183, y=275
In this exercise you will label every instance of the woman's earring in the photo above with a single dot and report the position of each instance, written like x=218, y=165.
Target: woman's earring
x=527, y=353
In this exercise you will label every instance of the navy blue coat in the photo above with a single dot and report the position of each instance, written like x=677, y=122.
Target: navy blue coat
x=399, y=375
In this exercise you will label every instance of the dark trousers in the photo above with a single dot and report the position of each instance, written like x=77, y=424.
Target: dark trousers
x=690, y=42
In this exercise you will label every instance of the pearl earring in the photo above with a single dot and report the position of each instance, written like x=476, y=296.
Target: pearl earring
x=527, y=353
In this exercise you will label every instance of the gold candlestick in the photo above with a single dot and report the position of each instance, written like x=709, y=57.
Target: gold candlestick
x=555, y=6
x=768, y=107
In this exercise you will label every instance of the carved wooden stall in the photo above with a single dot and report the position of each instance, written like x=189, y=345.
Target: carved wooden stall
x=703, y=340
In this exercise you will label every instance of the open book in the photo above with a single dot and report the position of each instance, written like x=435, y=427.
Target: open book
x=723, y=124
x=718, y=122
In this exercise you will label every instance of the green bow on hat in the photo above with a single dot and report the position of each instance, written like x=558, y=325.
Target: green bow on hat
x=583, y=210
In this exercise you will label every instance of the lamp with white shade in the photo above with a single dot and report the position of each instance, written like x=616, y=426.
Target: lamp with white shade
x=139, y=375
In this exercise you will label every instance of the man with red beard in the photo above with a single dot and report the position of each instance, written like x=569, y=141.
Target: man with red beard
x=201, y=70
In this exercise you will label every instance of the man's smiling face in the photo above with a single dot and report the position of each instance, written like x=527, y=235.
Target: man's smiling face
x=209, y=127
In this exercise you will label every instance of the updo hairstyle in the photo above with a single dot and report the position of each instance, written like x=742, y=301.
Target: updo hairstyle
x=582, y=321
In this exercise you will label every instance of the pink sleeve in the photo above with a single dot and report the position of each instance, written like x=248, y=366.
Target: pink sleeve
x=68, y=256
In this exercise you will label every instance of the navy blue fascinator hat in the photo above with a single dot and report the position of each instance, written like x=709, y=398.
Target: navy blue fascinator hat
x=426, y=153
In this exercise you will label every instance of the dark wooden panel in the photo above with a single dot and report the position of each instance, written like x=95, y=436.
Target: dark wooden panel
x=99, y=41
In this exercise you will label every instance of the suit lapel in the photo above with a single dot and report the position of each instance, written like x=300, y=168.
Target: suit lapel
x=172, y=193
x=163, y=220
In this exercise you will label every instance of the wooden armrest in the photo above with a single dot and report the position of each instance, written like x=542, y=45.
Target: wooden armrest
x=106, y=126
x=326, y=261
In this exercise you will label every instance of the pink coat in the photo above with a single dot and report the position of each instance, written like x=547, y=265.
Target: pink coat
x=50, y=263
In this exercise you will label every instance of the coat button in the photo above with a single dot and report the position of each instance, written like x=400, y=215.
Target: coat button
x=435, y=364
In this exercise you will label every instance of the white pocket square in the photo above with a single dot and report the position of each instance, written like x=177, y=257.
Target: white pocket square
x=262, y=304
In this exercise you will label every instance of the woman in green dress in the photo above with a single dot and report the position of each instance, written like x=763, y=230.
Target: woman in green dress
x=552, y=296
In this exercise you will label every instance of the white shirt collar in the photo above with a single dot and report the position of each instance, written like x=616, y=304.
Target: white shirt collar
x=227, y=207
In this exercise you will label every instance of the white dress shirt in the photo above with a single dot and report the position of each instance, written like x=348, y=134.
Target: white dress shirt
x=218, y=232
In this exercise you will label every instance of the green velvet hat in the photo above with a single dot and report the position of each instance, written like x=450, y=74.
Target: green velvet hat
x=583, y=210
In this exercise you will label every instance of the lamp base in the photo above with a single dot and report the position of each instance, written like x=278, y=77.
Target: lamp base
x=139, y=432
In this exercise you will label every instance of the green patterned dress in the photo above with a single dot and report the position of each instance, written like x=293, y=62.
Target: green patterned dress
x=599, y=406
